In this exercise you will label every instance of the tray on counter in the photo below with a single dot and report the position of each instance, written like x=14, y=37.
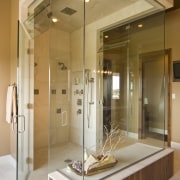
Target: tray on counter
x=94, y=170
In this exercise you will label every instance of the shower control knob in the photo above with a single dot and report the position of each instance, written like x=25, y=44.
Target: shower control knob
x=81, y=91
x=79, y=111
x=79, y=102
x=76, y=92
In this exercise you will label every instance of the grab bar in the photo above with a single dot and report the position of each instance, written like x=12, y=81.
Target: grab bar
x=23, y=122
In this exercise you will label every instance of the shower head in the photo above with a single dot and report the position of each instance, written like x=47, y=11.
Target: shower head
x=49, y=15
x=62, y=66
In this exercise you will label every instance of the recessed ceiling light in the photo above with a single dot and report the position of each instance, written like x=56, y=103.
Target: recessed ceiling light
x=140, y=25
x=106, y=36
x=54, y=19
x=87, y=1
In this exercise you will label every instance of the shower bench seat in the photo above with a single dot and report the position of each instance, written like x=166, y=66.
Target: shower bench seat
x=159, y=164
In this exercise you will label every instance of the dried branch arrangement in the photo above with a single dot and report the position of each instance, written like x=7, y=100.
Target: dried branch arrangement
x=105, y=159
x=113, y=138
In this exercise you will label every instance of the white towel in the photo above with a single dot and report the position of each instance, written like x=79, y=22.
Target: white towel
x=14, y=111
x=11, y=105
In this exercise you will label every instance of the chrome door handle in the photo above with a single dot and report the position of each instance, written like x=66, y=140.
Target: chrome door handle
x=23, y=122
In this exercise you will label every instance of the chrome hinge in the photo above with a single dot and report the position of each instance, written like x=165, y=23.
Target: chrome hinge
x=30, y=51
x=30, y=106
x=29, y=160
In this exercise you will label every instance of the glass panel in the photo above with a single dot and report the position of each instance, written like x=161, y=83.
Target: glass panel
x=115, y=122
x=147, y=43
x=38, y=14
x=84, y=121
x=66, y=88
x=24, y=114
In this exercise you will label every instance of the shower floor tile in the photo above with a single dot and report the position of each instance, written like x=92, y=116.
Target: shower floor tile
x=7, y=170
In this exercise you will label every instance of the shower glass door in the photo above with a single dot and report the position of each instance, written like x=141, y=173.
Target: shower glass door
x=24, y=110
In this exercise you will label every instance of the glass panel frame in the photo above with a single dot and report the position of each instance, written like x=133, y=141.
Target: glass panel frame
x=24, y=91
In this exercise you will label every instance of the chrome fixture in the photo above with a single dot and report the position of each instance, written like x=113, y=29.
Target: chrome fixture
x=62, y=66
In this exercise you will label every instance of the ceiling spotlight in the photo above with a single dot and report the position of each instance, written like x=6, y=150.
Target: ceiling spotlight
x=54, y=19
x=87, y=1
x=106, y=36
x=140, y=25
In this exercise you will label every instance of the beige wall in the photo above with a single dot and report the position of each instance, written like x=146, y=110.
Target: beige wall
x=8, y=60
x=4, y=74
x=41, y=57
x=59, y=44
x=13, y=59
x=173, y=41
x=59, y=53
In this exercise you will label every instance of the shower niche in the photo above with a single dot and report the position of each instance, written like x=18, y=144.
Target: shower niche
x=93, y=92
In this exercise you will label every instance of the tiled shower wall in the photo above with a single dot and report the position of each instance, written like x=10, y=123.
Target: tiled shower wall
x=59, y=86
x=51, y=49
x=41, y=86
x=65, y=93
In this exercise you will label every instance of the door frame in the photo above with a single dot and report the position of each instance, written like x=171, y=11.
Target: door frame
x=167, y=75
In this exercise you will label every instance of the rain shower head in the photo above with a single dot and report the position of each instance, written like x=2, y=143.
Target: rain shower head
x=62, y=66
x=49, y=15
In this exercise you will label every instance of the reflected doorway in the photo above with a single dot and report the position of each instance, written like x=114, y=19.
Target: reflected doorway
x=107, y=93
x=115, y=81
x=154, y=72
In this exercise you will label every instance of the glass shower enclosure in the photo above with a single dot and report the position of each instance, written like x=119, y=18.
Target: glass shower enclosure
x=99, y=84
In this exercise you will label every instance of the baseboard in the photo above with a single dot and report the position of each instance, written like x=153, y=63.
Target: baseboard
x=175, y=145
x=130, y=134
x=157, y=130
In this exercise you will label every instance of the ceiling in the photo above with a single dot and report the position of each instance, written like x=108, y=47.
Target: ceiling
x=95, y=10
x=40, y=20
